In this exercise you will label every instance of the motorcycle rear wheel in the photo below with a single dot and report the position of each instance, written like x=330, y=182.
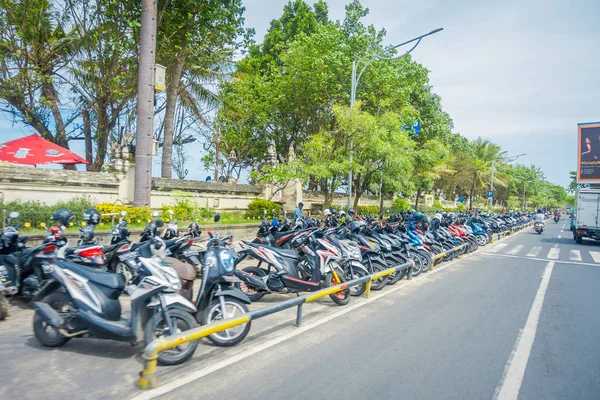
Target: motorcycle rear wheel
x=44, y=333
x=183, y=321
x=253, y=294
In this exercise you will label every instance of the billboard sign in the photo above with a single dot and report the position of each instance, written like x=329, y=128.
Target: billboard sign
x=588, y=154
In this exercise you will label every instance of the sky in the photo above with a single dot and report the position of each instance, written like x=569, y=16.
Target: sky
x=519, y=73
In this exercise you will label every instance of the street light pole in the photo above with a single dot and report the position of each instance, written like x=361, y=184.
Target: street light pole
x=145, y=106
x=368, y=59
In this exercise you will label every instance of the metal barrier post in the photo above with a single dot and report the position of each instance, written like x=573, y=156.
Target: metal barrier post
x=299, y=314
x=410, y=268
x=368, y=289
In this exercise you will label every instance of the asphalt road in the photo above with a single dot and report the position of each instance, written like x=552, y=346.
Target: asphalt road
x=519, y=317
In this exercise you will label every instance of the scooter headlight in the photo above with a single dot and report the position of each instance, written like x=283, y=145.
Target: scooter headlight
x=227, y=261
x=210, y=259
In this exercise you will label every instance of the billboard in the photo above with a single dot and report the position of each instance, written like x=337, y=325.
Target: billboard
x=588, y=154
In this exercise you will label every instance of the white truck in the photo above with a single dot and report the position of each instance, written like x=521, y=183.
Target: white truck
x=587, y=215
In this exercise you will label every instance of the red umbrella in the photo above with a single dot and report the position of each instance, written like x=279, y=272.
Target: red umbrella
x=33, y=150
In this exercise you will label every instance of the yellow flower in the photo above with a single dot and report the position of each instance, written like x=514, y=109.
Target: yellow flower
x=139, y=220
x=149, y=220
x=101, y=223
x=70, y=224
x=27, y=224
x=168, y=219
x=128, y=221
x=42, y=224
x=83, y=223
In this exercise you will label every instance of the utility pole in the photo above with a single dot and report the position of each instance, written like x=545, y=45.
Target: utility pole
x=145, y=106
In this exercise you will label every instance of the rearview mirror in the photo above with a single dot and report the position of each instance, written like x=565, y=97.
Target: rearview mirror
x=123, y=213
x=265, y=212
x=155, y=214
x=170, y=212
x=14, y=214
x=217, y=217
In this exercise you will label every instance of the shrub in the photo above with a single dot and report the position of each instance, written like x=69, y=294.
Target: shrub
x=400, y=204
x=438, y=204
x=257, y=207
x=135, y=215
x=368, y=210
x=35, y=213
x=461, y=207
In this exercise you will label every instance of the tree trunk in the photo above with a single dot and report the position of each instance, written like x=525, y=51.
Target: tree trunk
x=174, y=77
x=87, y=136
x=472, y=192
x=102, y=134
x=417, y=199
x=49, y=93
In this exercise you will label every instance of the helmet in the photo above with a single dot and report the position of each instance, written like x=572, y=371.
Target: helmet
x=333, y=211
x=63, y=216
x=539, y=210
x=356, y=225
x=91, y=216
x=326, y=212
x=342, y=213
x=418, y=216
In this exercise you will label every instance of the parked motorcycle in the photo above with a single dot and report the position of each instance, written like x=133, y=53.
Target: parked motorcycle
x=219, y=297
x=84, y=302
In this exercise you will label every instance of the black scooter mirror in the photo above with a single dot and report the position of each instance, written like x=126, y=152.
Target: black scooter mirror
x=123, y=213
x=217, y=217
x=13, y=215
x=155, y=214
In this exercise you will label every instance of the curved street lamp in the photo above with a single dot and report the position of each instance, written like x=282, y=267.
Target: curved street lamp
x=367, y=60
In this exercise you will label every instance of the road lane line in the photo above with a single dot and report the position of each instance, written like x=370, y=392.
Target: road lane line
x=498, y=247
x=515, y=249
x=534, y=252
x=543, y=259
x=575, y=255
x=517, y=362
x=559, y=236
x=596, y=256
x=553, y=253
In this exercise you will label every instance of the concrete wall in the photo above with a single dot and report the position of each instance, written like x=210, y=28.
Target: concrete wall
x=50, y=186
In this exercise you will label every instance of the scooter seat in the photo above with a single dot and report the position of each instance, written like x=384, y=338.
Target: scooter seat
x=108, y=279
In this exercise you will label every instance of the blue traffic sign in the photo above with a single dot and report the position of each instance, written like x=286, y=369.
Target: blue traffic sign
x=490, y=194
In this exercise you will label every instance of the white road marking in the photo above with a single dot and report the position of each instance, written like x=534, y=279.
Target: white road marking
x=534, y=252
x=517, y=362
x=596, y=256
x=559, y=236
x=515, y=249
x=498, y=247
x=553, y=253
x=542, y=259
x=575, y=255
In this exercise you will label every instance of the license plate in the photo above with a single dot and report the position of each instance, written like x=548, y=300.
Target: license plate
x=194, y=260
x=189, y=253
x=231, y=279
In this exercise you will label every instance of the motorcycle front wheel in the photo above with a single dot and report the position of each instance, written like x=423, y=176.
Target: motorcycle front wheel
x=157, y=327
x=342, y=297
x=3, y=307
x=230, y=308
x=355, y=272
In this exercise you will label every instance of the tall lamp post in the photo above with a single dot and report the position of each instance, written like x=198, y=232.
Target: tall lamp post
x=505, y=159
x=365, y=62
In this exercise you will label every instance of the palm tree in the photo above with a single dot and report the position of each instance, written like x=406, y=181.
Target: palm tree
x=484, y=154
